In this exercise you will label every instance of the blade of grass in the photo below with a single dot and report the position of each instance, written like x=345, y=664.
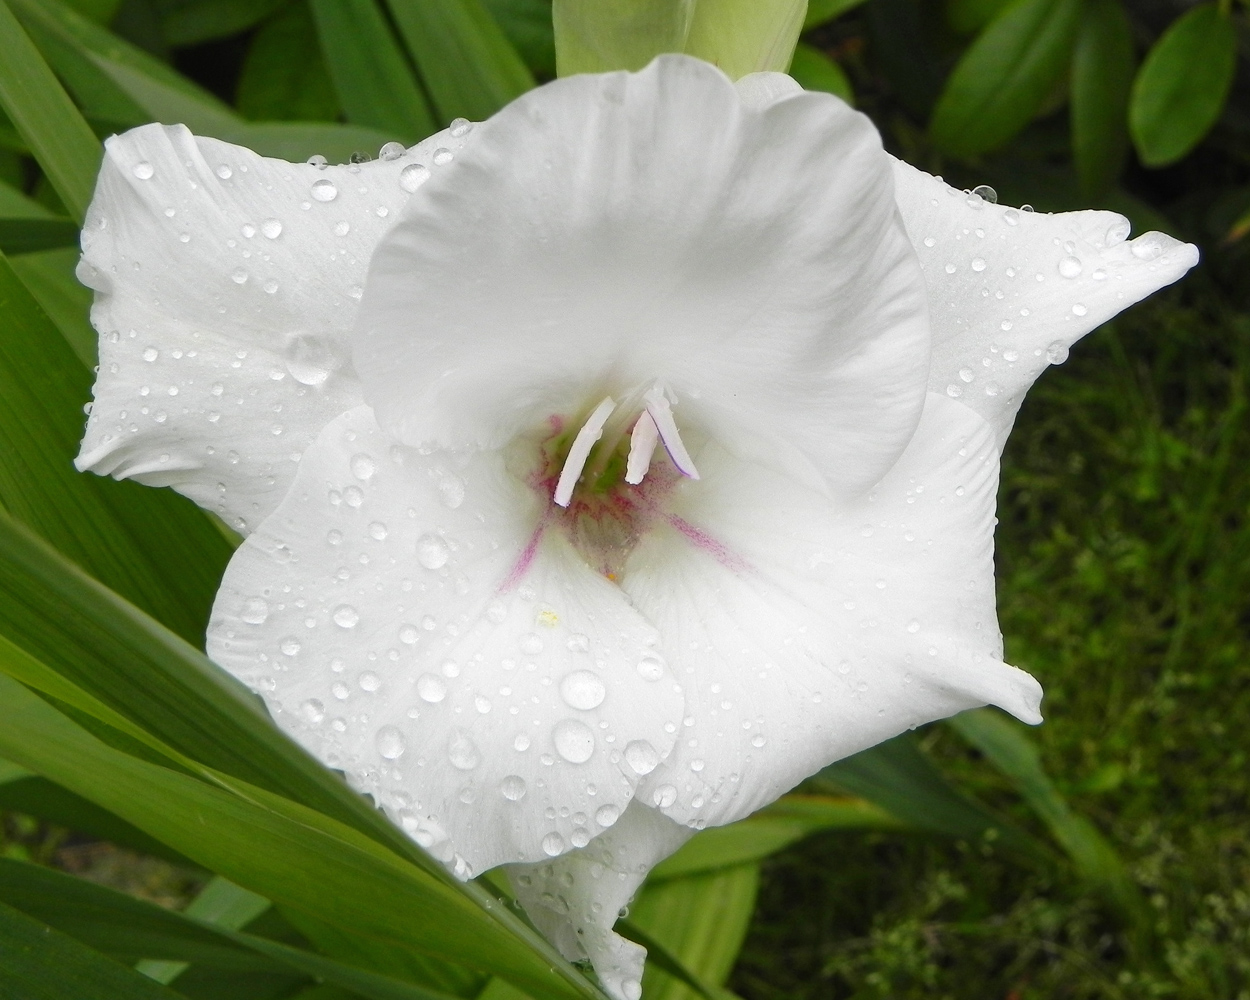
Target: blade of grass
x=28, y=235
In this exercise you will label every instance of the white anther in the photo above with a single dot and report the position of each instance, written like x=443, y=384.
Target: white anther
x=586, y=438
x=658, y=406
x=642, y=442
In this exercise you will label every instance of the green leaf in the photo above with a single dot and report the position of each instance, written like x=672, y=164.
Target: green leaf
x=25, y=235
x=189, y=22
x=467, y=63
x=770, y=830
x=595, y=36
x=900, y=778
x=1014, y=754
x=375, y=83
x=967, y=16
x=152, y=546
x=46, y=118
x=284, y=851
x=814, y=70
x=746, y=36
x=284, y=75
x=1102, y=76
x=1008, y=72
x=1182, y=85
x=822, y=11
x=527, y=23
x=50, y=279
x=16, y=205
x=39, y=963
x=702, y=921
x=659, y=956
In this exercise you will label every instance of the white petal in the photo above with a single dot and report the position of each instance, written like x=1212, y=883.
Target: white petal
x=225, y=292
x=575, y=900
x=1011, y=291
x=409, y=622
x=802, y=632
x=607, y=232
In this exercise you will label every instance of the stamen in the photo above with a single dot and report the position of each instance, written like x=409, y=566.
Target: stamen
x=658, y=406
x=642, y=444
x=586, y=439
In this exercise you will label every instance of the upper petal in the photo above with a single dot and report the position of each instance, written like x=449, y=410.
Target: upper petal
x=1011, y=291
x=409, y=621
x=803, y=632
x=608, y=232
x=226, y=287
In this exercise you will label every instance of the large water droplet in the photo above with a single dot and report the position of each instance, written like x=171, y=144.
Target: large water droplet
x=1118, y=232
x=664, y=796
x=987, y=193
x=978, y=264
x=651, y=666
x=553, y=845
x=443, y=156
x=150, y=354
x=574, y=741
x=460, y=127
x=143, y=170
x=521, y=743
x=513, y=788
x=1146, y=247
x=391, y=151
x=363, y=466
x=324, y=190
x=255, y=611
x=1079, y=309
x=1070, y=267
x=642, y=757
x=390, y=742
x=413, y=176
x=431, y=688
x=582, y=689
x=462, y=752
x=345, y=616
x=309, y=359
x=271, y=228
x=432, y=551
x=631, y=989
x=369, y=681
x=1057, y=352
x=607, y=815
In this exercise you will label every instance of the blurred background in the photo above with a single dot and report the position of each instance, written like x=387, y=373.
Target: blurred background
x=1123, y=544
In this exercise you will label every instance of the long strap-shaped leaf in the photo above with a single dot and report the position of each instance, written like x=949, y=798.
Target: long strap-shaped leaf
x=46, y=118
x=281, y=850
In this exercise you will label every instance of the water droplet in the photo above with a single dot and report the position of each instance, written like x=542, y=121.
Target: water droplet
x=345, y=616
x=1010, y=355
x=553, y=845
x=651, y=666
x=574, y=741
x=1079, y=309
x=324, y=190
x=224, y=172
x=431, y=688
x=1026, y=208
x=1011, y=217
x=377, y=531
x=992, y=388
x=143, y=170
x=363, y=466
x=342, y=229
x=255, y=611
x=987, y=193
x=238, y=276
x=1146, y=247
x=1069, y=267
x=1057, y=352
x=369, y=681
x=1118, y=232
x=289, y=646
x=390, y=742
x=664, y=796
x=929, y=241
x=521, y=743
x=460, y=127
x=607, y=815
x=391, y=151
x=950, y=268
x=758, y=741
x=151, y=354
x=432, y=551
x=978, y=264
x=513, y=788
x=313, y=711
x=642, y=757
x=631, y=989
x=583, y=690
x=309, y=358
x=443, y=156
x=966, y=374
x=248, y=230
x=954, y=391
x=462, y=752
x=1005, y=325
x=413, y=176
x=271, y=228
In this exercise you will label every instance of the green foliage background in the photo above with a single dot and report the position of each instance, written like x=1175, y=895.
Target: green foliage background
x=1106, y=854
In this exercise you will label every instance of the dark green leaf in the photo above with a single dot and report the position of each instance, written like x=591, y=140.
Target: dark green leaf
x=658, y=954
x=189, y=22
x=1183, y=84
x=46, y=118
x=1102, y=75
x=18, y=235
x=1002, y=80
x=284, y=76
x=39, y=963
x=821, y=11
x=901, y=33
x=467, y=63
x=967, y=16
x=527, y=23
x=49, y=277
x=375, y=83
x=814, y=70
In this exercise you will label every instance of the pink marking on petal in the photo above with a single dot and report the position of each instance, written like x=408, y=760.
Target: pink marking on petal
x=701, y=540
x=525, y=559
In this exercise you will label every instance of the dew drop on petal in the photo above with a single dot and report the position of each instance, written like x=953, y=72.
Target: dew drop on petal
x=1070, y=267
x=460, y=127
x=573, y=740
x=432, y=551
x=391, y=151
x=513, y=788
x=413, y=176
x=664, y=796
x=642, y=757
x=553, y=845
x=651, y=666
x=978, y=264
x=758, y=741
x=390, y=742
x=607, y=815
x=313, y=711
x=369, y=681
x=150, y=354
x=239, y=276
x=255, y=611
x=1057, y=352
x=289, y=646
x=431, y=688
x=521, y=743
x=462, y=752
x=363, y=466
x=631, y=989
x=987, y=193
x=583, y=690
x=271, y=229
x=1146, y=248
x=1079, y=309
x=345, y=616
x=324, y=190
x=143, y=170
x=443, y=156
x=1118, y=232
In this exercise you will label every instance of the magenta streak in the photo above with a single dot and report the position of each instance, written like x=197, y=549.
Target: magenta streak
x=526, y=558
x=705, y=542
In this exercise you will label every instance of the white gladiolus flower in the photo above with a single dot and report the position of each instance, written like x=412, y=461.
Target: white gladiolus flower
x=607, y=467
